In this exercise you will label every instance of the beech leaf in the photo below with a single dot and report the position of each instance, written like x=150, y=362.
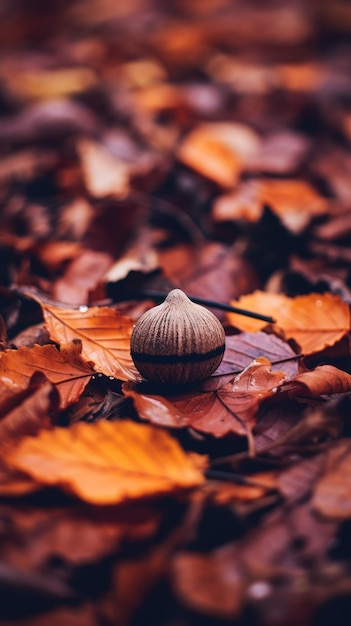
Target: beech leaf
x=315, y=321
x=65, y=368
x=104, y=333
x=108, y=462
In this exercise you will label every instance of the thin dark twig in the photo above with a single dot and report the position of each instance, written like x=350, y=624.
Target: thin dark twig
x=150, y=293
x=239, y=479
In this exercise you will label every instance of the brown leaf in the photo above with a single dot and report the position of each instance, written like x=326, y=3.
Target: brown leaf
x=77, y=533
x=295, y=202
x=323, y=380
x=231, y=409
x=205, y=584
x=105, y=335
x=81, y=277
x=33, y=409
x=65, y=368
x=211, y=271
x=243, y=348
x=107, y=462
x=314, y=321
x=332, y=494
x=103, y=173
x=219, y=151
x=51, y=84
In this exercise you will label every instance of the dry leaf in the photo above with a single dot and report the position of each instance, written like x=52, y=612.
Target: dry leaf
x=103, y=173
x=231, y=409
x=107, y=462
x=65, y=368
x=314, y=321
x=81, y=277
x=76, y=533
x=33, y=409
x=323, y=380
x=219, y=151
x=332, y=494
x=295, y=202
x=104, y=333
x=241, y=349
x=52, y=84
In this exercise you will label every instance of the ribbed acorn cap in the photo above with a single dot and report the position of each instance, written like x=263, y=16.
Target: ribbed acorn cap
x=177, y=341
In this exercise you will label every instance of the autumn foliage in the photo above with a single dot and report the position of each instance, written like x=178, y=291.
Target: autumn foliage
x=147, y=146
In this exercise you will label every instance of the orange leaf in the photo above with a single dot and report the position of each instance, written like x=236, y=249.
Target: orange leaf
x=315, y=321
x=332, y=495
x=24, y=412
x=295, y=202
x=107, y=462
x=231, y=409
x=66, y=368
x=323, y=380
x=219, y=150
x=32, y=409
x=105, y=335
x=103, y=173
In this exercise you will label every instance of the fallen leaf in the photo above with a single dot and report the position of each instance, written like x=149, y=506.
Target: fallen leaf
x=103, y=173
x=51, y=84
x=323, y=380
x=219, y=151
x=33, y=409
x=294, y=201
x=241, y=349
x=241, y=204
x=108, y=462
x=231, y=409
x=205, y=584
x=332, y=494
x=76, y=533
x=210, y=271
x=81, y=276
x=314, y=321
x=104, y=333
x=65, y=368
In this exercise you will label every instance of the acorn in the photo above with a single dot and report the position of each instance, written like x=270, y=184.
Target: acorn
x=177, y=342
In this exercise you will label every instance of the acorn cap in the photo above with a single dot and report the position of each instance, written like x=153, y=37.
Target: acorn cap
x=177, y=342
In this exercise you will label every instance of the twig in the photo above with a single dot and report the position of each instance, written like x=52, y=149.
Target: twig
x=150, y=293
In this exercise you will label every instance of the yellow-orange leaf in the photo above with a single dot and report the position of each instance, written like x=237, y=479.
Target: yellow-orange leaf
x=107, y=462
x=315, y=321
x=65, y=368
x=104, y=333
x=219, y=150
x=294, y=201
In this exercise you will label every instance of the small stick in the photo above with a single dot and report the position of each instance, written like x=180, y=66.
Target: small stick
x=149, y=293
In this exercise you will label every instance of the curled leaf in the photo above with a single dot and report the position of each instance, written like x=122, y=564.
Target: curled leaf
x=323, y=380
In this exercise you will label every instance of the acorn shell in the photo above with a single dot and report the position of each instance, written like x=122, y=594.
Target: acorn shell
x=177, y=342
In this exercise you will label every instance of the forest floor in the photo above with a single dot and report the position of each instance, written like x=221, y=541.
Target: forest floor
x=202, y=145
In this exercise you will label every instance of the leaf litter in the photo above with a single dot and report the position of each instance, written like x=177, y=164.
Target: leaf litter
x=203, y=146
